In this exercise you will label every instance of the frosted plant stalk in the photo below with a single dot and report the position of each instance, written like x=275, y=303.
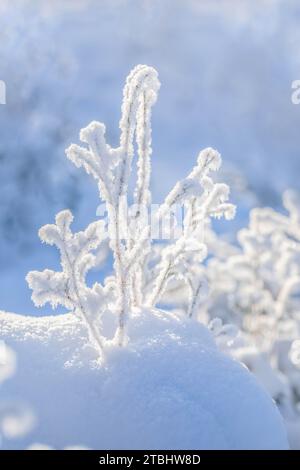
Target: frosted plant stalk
x=139, y=95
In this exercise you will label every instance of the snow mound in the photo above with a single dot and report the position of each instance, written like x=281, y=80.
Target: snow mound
x=170, y=388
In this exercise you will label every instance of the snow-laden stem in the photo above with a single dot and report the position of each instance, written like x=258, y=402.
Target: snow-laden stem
x=136, y=111
x=93, y=333
x=121, y=280
x=195, y=295
x=142, y=195
x=160, y=284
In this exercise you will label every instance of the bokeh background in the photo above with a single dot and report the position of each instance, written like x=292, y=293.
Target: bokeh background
x=226, y=68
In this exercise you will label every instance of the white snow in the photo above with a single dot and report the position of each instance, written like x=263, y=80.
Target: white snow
x=169, y=388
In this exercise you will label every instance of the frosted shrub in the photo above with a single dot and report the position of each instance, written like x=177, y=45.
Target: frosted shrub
x=136, y=280
x=258, y=289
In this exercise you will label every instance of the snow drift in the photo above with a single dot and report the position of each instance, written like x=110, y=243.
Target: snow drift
x=168, y=388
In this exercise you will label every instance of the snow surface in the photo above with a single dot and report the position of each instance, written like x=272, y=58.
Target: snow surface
x=169, y=388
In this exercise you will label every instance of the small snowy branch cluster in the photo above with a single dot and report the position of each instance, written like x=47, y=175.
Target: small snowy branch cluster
x=258, y=289
x=202, y=199
x=68, y=287
x=264, y=275
x=134, y=283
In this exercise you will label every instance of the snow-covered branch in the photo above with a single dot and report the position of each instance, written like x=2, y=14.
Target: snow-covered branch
x=68, y=287
x=202, y=199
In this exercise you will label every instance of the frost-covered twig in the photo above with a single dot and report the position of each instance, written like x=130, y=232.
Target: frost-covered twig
x=68, y=287
x=202, y=199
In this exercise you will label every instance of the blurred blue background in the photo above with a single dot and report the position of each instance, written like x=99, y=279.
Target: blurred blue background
x=226, y=68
